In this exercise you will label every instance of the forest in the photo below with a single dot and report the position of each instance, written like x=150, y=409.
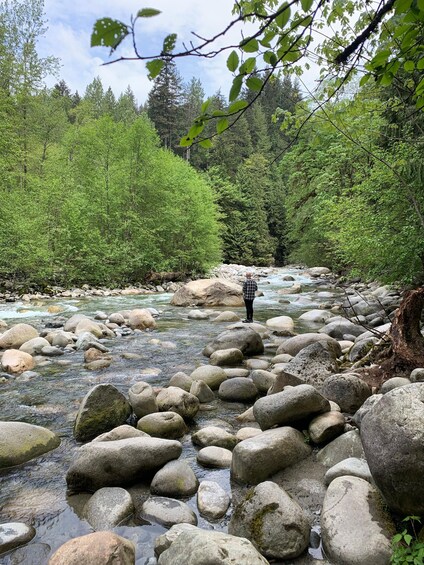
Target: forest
x=97, y=189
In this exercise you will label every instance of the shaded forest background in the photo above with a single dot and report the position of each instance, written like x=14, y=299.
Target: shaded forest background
x=96, y=189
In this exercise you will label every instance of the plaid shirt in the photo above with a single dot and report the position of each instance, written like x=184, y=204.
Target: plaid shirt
x=249, y=289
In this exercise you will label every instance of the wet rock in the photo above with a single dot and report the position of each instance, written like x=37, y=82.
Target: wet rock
x=203, y=392
x=108, y=507
x=87, y=340
x=282, y=325
x=352, y=466
x=227, y=316
x=163, y=425
x=117, y=318
x=197, y=315
x=73, y=321
x=21, y=442
x=86, y=325
x=34, y=346
x=326, y=427
x=167, y=511
x=209, y=292
x=15, y=361
x=260, y=457
x=175, y=479
x=355, y=527
x=212, y=500
x=263, y=380
x=346, y=445
x=272, y=521
x=295, y=344
x=341, y=327
x=214, y=457
x=181, y=380
x=315, y=316
x=17, y=335
x=212, y=435
x=102, y=409
x=99, y=548
x=118, y=463
x=121, y=432
x=212, y=376
x=141, y=319
x=14, y=534
x=348, y=390
x=174, y=399
x=239, y=389
x=51, y=351
x=242, y=337
x=226, y=357
x=143, y=399
x=98, y=364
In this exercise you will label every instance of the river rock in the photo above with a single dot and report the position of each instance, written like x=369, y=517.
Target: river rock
x=256, y=364
x=212, y=456
x=121, y=432
x=272, y=521
x=348, y=390
x=318, y=271
x=181, y=380
x=354, y=524
x=99, y=548
x=282, y=325
x=212, y=435
x=351, y=466
x=141, y=319
x=394, y=382
x=263, y=380
x=365, y=408
x=167, y=511
x=142, y=399
x=71, y=324
x=212, y=500
x=209, y=292
x=295, y=288
x=260, y=457
x=87, y=340
x=197, y=315
x=175, y=399
x=15, y=361
x=118, y=463
x=98, y=364
x=314, y=363
x=14, y=534
x=417, y=375
x=102, y=409
x=222, y=357
x=21, y=442
x=117, y=318
x=315, y=316
x=346, y=445
x=203, y=392
x=60, y=338
x=163, y=425
x=175, y=479
x=86, y=325
x=295, y=344
x=17, y=335
x=34, y=345
x=51, y=351
x=198, y=547
x=290, y=405
x=227, y=316
x=236, y=372
x=326, y=427
x=239, y=389
x=341, y=327
x=108, y=507
x=211, y=375
x=392, y=433
x=244, y=338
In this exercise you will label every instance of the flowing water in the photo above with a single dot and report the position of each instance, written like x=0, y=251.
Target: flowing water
x=35, y=492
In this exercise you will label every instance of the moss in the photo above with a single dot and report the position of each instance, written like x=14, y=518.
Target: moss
x=256, y=525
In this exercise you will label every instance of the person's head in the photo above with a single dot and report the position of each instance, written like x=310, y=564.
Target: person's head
x=248, y=275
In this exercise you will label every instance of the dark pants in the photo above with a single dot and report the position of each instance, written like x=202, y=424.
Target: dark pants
x=249, y=309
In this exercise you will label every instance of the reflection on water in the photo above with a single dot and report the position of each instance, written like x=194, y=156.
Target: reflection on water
x=36, y=491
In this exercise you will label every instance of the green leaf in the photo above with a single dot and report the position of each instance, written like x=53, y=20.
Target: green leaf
x=154, y=67
x=236, y=88
x=402, y=6
x=386, y=79
x=292, y=56
x=396, y=538
x=306, y=21
x=186, y=141
x=217, y=113
x=409, y=66
x=254, y=83
x=108, y=33
x=364, y=80
x=420, y=64
x=148, y=13
x=420, y=87
x=284, y=17
x=249, y=45
x=222, y=125
x=247, y=67
x=420, y=5
x=237, y=106
x=306, y=4
x=206, y=143
x=407, y=538
x=206, y=105
x=380, y=58
x=195, y=130
x=266, y=40
x=270, y=58
x=169, y=43
x=233, y=61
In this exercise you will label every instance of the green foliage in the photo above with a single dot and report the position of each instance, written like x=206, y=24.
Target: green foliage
x=407, y=548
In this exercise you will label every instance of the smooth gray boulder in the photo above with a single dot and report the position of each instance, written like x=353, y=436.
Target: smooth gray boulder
x=213, y=456
x=101, y=410
x=326, y=427
x=227, y=316
x=315, y=316
x=175, y=399
x=272, y=521
x=169, y=425
x=346, y=445
x=294, y=345
x=181, y=380
x=167, y=511
x=34, y=346
x=17, y=335
x=142, y=399
x=392, y=433
x=247, y=340
x=341, y=327
x=175, y=479
x=283, y=379
x=209, y=374
x=355, y=527
x=20, y=442
x=213, y=435
x=225, y=357
x=365, y=408
x=417, y=375
x=201, y=547
x=209, y=292
x=258, y=458
x=118, y=463
x=290, y=405
x=121, y=432
x=313, y=364
x=203, y=392
x=263, y=380
x=238, y=389
x=351, y=466
x=253, y=364
x=14, y=534
x=212, y=500
x=392, y=383
x=347, y=390
x=108, y=507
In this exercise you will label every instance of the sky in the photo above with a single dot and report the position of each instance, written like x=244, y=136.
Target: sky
x=69, y=30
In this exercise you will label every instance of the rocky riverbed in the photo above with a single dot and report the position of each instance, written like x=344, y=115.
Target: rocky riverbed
x=165, y=434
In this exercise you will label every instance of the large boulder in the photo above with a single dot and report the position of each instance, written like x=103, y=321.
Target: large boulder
x=108, y=507
x=341, y=327
x=34, y=345
x=392, y=434
x=209, y=292
x=288, y=406
x=283, y=325
x=17, y=335
x=71, y=324
x=167, y=511
x=118, y=463
x=239, y=389
x=20, y=442
x=347, y=390
x=209, y=374
x=175, y=399
x=356, y=528
x=212, y=435
x=293, y=345
x=272, y=521
x=248, y=341
x=99, y=548
x=142, y=399
x=163, y=424
x=212, y=500
x=314, y=363
x=346, y=445
x=15, y=361
x=102, y=409
x=87, y=325
x=258, y=458
x=141, y=319
x=175, y=479
x=198, y=547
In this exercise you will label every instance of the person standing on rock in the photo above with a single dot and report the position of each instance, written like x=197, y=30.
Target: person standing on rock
x=249, y=289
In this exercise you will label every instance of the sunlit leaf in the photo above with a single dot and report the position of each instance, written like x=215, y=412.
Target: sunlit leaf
x=248, y=66
x=306, y=4
x=154, y=67
x=282, y=19
x=206, y=105
x=222, y=125
x=249, y=45
x=233, y=61
x=108, y=33
x=254, y=83
x=236, y=88
x=409, y=66
x=206, y=143
x=237, y=106
x=148, y=13
x=169, y=43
